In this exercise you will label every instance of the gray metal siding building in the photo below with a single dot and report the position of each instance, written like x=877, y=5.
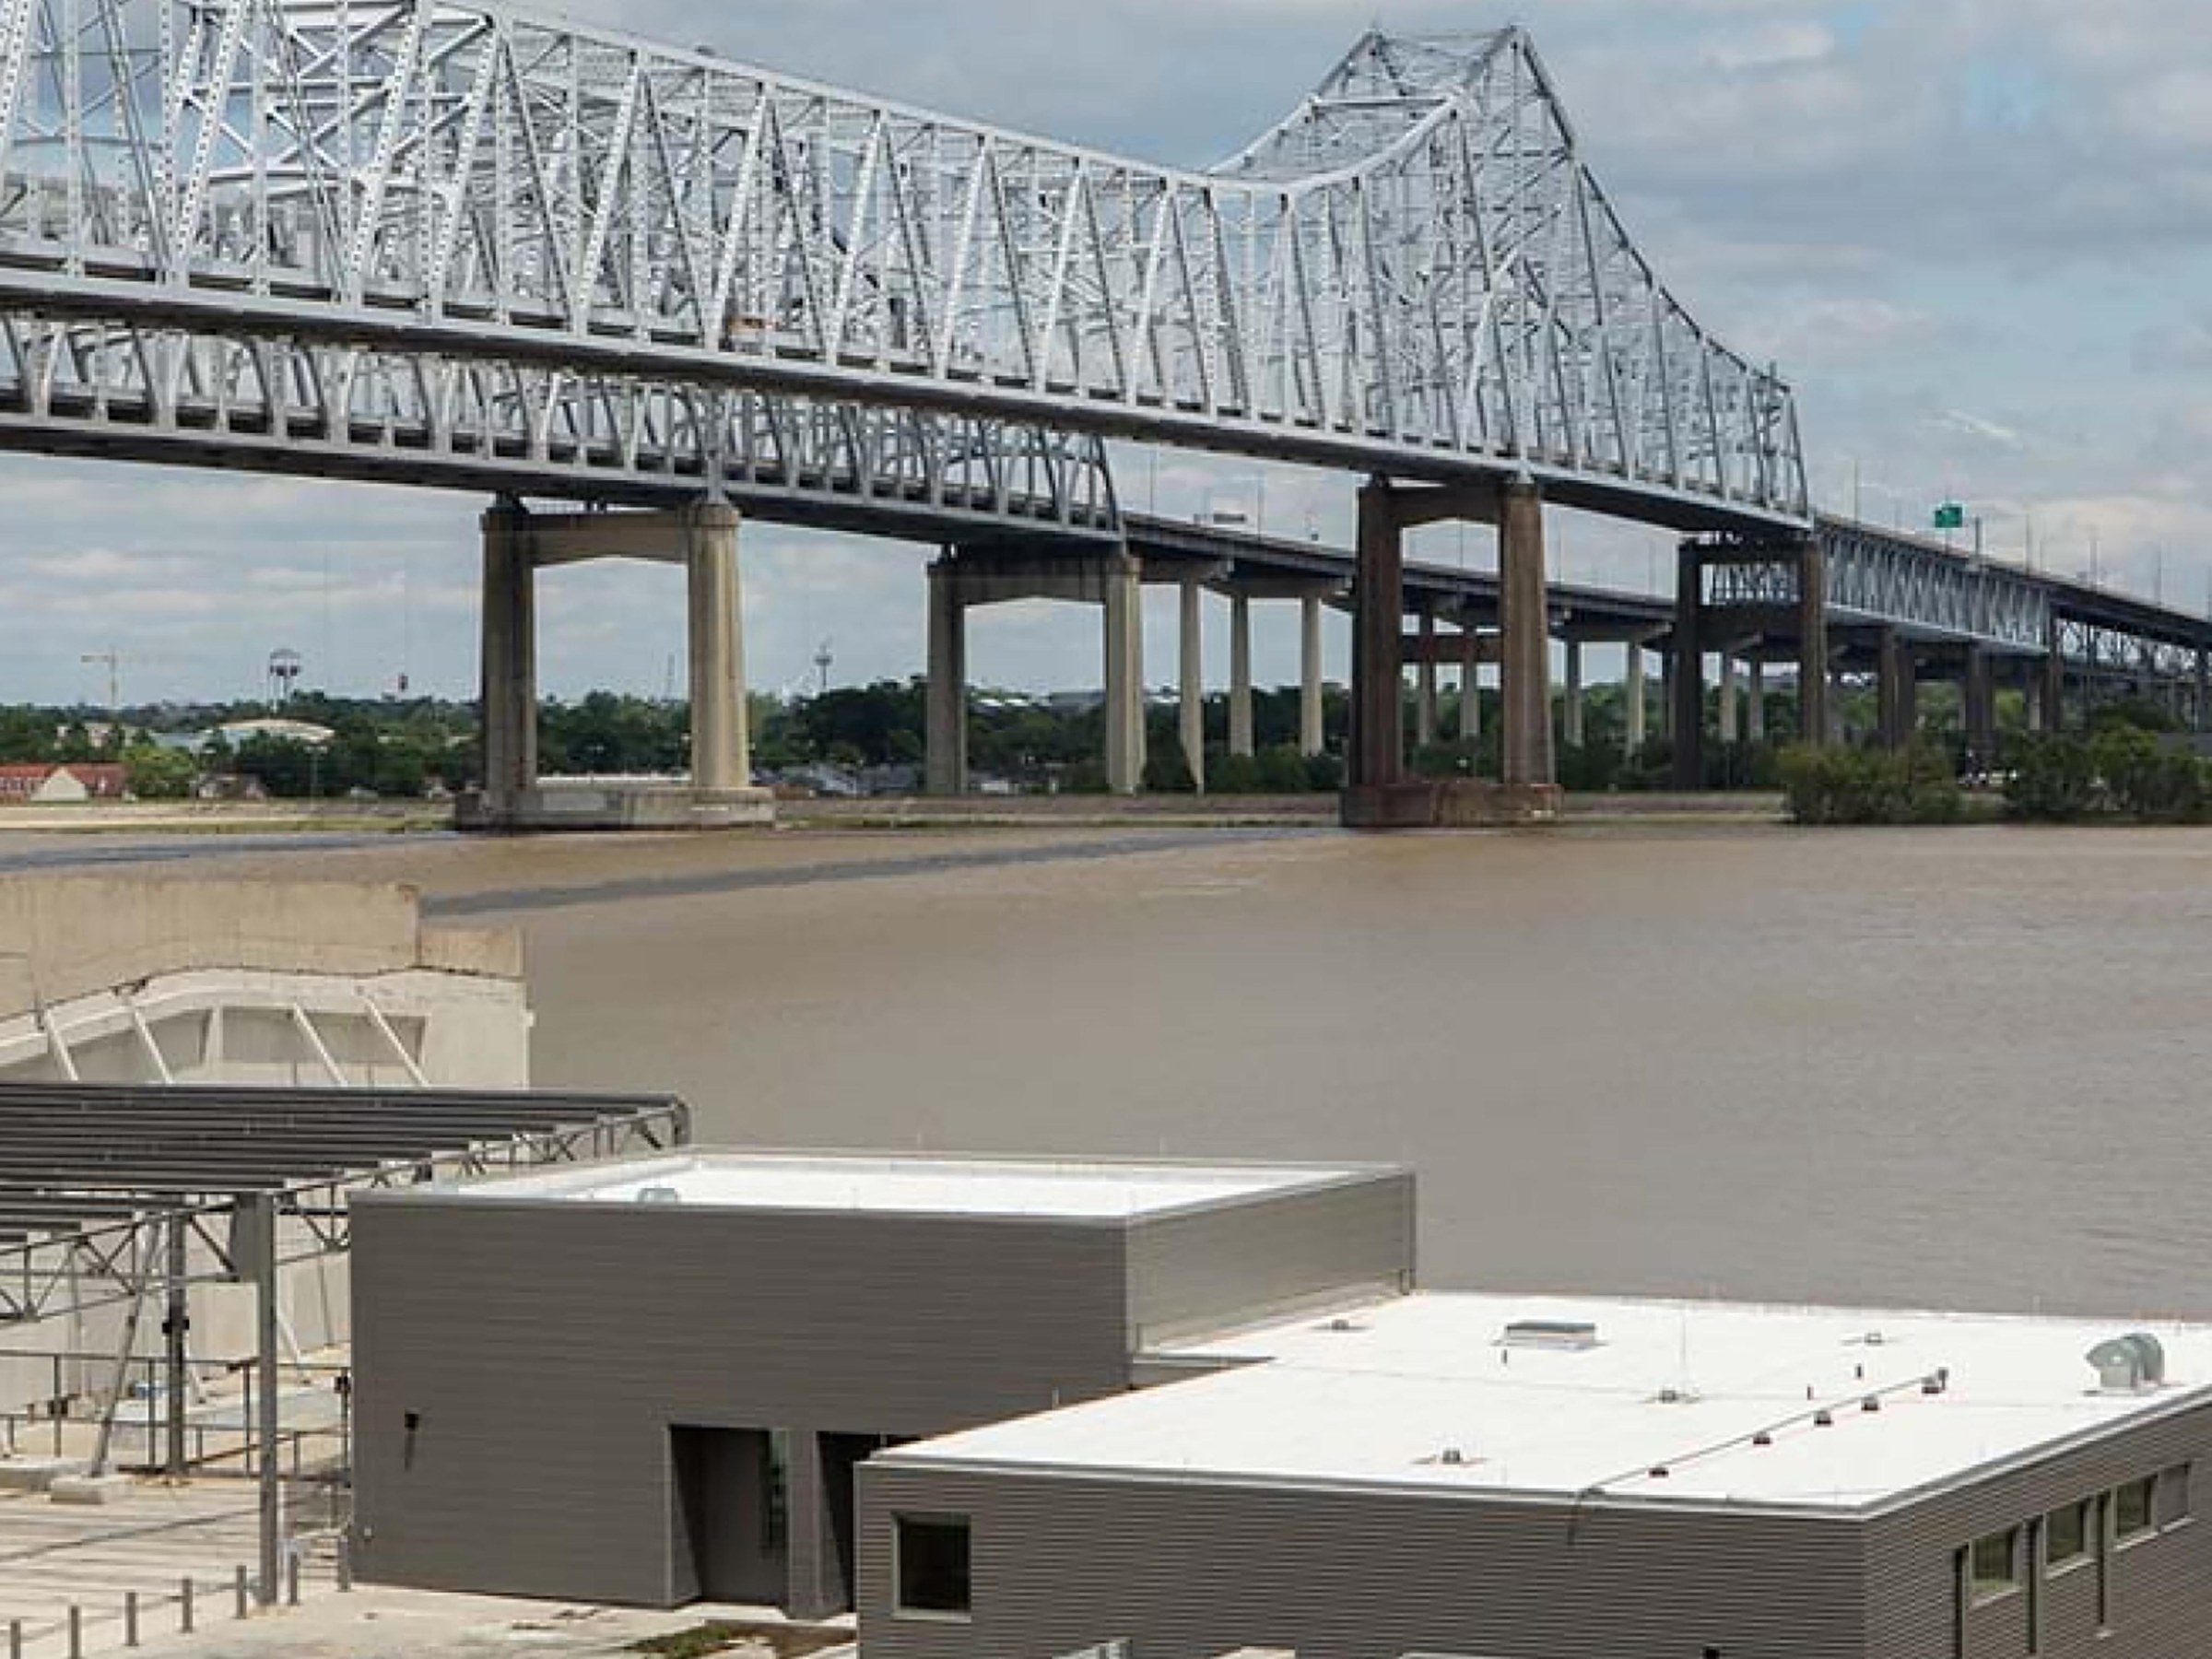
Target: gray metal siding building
x=646, y=1402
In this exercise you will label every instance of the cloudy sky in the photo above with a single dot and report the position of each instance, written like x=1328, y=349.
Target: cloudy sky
x=1975, y=233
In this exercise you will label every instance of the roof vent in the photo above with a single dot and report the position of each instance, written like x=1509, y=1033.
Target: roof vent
x=1571, y=1335
x=659, y=1194
x=2132, y=1364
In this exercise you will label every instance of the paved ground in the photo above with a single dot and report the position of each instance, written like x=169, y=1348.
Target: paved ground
x=55, y=1556
x=371, y=1623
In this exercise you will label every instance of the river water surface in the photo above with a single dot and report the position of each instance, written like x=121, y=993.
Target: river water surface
x=1951, y=1067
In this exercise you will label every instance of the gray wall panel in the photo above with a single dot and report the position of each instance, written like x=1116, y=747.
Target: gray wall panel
x=1188, y=1571
x=2162, y=1587
x=1231, y=1264
x=547, y=1347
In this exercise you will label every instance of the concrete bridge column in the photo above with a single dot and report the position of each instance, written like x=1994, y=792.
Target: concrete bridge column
x=1817, y=712
x=1731, y=725
x=1123, y=597
x=1470, y=689
x=1378, y=666
x=1633, y=720
x=1895, y=691
x=508, y=660
x=1570, y=716
x=947, y=739
x=721, y=748
x=1425, y=702
x=1190, y=690
x=1312, y=734
x=1524, y=653
x=1687, y=694
x=1980, y=698
x=1240, y=676
x=1755, y=708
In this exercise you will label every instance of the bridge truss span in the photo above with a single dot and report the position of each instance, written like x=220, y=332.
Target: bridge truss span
x=113, y=386
x=1416, y=272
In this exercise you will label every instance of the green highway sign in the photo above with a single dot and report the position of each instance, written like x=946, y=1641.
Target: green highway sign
x=1950, y=516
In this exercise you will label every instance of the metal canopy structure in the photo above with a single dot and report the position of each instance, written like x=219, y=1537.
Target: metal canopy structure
x=85, y=1171
x=510, y=243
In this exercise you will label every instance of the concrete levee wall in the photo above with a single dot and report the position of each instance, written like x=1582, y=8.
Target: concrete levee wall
x=63, y=936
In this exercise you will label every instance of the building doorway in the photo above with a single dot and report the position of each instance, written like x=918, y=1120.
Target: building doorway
x=732, y=1532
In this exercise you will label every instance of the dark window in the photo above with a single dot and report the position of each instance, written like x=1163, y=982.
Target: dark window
x=932, y=1556
x=2134, y=1512
x=2066, y=1537
x=1996, y=1564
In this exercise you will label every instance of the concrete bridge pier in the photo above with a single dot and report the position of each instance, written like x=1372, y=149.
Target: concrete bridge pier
x=964, y=578
x=1241, y=740
x=1755, y=706
x=1312, y=734
x=1191, y=682
x=1896, y=681
x=1730, y=724
x=1635, y=724
x=1427, y=706
x=1686, y=688
x=1979, y=702
x=1525, y=649
x=701, y=537
x=1470, y=689
x=1380, y=794
x=508, y=662
x=1571, y=721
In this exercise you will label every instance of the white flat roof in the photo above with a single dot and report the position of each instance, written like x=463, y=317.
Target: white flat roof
x=915, y=1185
x=1422, y=1392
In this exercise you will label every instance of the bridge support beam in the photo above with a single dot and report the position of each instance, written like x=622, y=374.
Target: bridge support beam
x=1241, y=742
x=1730, y=724
x=945, y=769
x=1755, y=706
x=1312, y=732
x=1524, y=617
x=509, y=662
x=1191, y=686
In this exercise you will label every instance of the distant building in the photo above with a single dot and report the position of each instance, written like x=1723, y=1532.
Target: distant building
x=48, y=783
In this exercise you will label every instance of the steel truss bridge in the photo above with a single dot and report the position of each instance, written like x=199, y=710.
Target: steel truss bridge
x=453, y=244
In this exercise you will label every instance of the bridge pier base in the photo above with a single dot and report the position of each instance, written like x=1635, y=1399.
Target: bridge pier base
x=703, y=539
